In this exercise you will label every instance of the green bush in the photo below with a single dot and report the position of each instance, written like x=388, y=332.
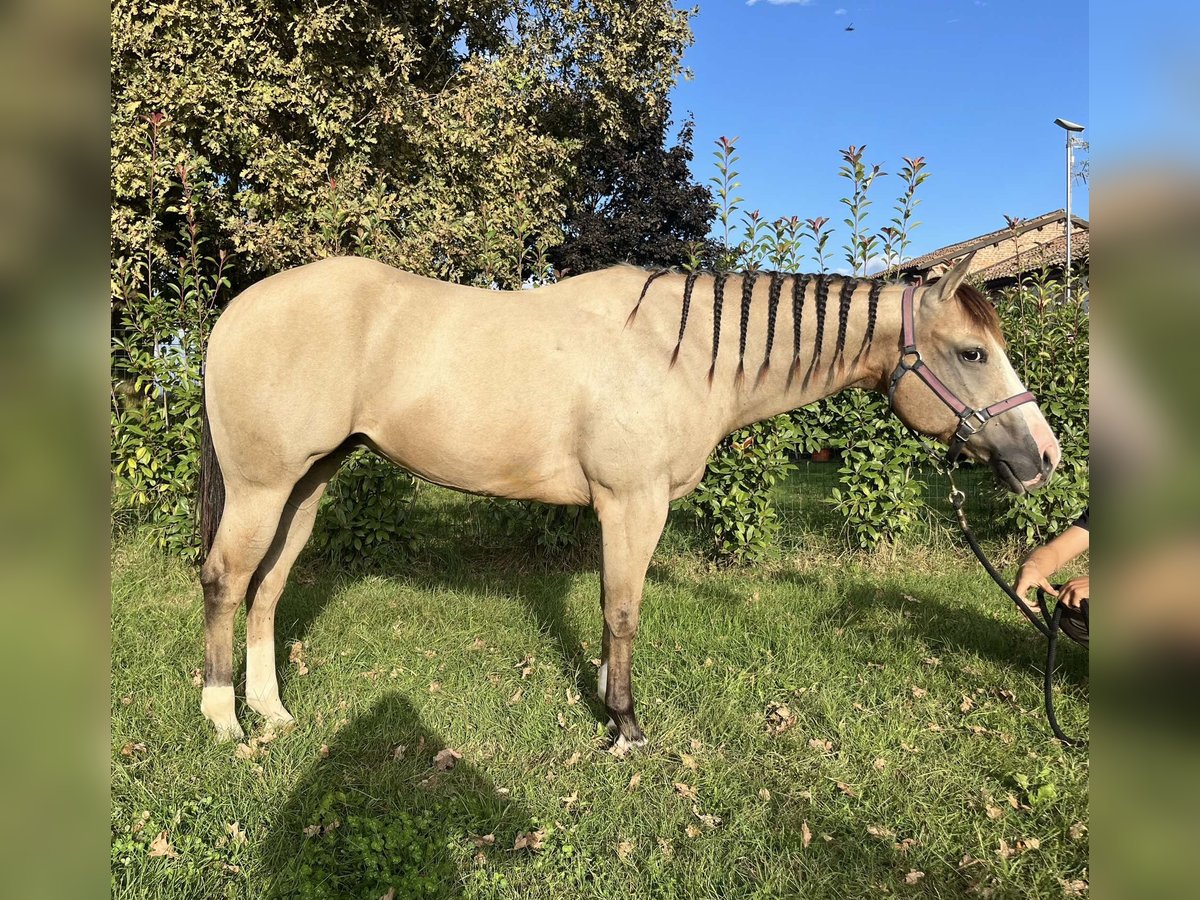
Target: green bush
x=551, y=529
x=364, y=514
x=879, y=496
x=161, y=323
x=1049, y=345
x=733, y=502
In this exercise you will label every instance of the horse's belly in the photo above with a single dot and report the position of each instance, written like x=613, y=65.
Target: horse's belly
x=485, y=452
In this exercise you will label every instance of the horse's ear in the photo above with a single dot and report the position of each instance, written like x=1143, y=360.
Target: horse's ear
x=947, y=286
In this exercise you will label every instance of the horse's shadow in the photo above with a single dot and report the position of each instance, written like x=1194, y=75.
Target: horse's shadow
x=366, y=818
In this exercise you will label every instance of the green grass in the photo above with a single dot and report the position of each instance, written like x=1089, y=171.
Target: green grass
x=877, y=655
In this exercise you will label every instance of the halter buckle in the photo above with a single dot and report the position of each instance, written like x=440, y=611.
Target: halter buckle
x=968, y=428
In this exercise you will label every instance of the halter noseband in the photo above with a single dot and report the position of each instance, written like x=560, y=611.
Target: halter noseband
x=970, y=421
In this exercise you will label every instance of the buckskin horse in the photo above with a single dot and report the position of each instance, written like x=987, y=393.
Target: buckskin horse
x=608, y=389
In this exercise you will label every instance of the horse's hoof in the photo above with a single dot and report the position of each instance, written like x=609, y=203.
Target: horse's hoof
x=229, y=732
x=275, y=715
x=217, y=705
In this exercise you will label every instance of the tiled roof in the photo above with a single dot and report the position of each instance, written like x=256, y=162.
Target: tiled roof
x=953, y=251
x=1052, y=253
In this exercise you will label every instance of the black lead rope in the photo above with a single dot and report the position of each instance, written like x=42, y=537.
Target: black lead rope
x=1049, y=628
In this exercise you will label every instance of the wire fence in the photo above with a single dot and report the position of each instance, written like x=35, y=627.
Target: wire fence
x=804, y=498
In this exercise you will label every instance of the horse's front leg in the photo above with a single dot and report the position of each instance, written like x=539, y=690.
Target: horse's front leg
x=631, y=524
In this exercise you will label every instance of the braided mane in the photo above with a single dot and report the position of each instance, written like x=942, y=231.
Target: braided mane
x=975, y=304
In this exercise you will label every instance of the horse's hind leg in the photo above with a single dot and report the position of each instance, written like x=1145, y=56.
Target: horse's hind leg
x=262, y=684
x=249, y=522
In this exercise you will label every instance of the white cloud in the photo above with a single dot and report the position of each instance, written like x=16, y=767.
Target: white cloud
x=780, y=2
x=839, y=12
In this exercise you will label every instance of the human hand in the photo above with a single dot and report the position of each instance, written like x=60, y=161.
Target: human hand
x=1030, y=577
x=1075, y=591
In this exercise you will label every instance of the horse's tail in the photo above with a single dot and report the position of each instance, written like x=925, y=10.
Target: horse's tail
x=212, y=484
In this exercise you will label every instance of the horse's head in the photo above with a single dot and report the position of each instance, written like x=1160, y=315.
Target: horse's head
x=957, y=334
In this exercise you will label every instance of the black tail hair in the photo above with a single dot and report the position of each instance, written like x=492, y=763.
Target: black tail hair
x=212, y=485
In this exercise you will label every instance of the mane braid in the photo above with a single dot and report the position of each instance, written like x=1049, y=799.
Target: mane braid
x=777, y=279
x=748, y=280
x=642, y=296
x=718, y=302
x=799, y=286
x=849, y=286
x=822, y=298
x=683, y=317
x=872, y=310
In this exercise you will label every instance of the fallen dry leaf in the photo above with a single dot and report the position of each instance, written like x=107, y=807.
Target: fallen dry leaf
x=692, y=831
x=634, y=780
x=435, y=687
x=161, y=846
x=664, y=845
x=445, y=759
x=531, y=840
x=197, y=678
x=570, y=800
x=881, y=832
x=994, y=812
x=526, y=666
x=919, y=692
x=296, y=656
x=685, y=791
x=483, y=840
x=478, y=644
x=764, y=794
x=390, y=895
x=805, y=834
x=134, y=748
x=821, y=746
x=236, y=835
x=572, y=759
x=932, y=661
x=846, y=789
x=967, y=704
x=1077, y=831
x=398, y=752
x=516, y=698
x=689, y=761
x=245, y=751
x=904, y=844
x=323, y=751
x=624, y=848
x=913, y=877
x=880, y=763
x=562, y=721
x=1076, y=888
x=779, y=718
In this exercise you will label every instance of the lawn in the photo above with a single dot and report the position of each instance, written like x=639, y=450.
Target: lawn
x=828, y=725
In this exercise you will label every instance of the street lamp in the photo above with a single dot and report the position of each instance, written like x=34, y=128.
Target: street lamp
x=1072, y=129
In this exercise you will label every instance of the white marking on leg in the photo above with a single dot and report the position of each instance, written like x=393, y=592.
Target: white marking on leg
x=262, y=686
x=624, y=745
x=602, y=682
x=217, y=705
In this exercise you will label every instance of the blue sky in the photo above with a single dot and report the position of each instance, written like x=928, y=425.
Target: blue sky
x=972, y=86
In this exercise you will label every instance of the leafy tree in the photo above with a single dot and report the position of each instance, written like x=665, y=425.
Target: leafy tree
x=446, y=132
x=633, y=200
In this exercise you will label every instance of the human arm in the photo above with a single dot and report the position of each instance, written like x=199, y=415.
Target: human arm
x=1043, y=562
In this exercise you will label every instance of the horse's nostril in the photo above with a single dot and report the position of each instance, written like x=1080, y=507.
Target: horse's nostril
x=1048, y=461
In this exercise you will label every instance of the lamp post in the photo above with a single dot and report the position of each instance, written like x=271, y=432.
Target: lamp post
x=1072, y=129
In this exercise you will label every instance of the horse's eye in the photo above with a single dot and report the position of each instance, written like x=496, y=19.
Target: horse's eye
x=974, y=355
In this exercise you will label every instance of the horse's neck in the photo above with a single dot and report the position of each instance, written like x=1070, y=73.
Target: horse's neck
x=831, y=356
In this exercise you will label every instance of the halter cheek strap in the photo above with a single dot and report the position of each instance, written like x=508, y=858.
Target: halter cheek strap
x=970, y=420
